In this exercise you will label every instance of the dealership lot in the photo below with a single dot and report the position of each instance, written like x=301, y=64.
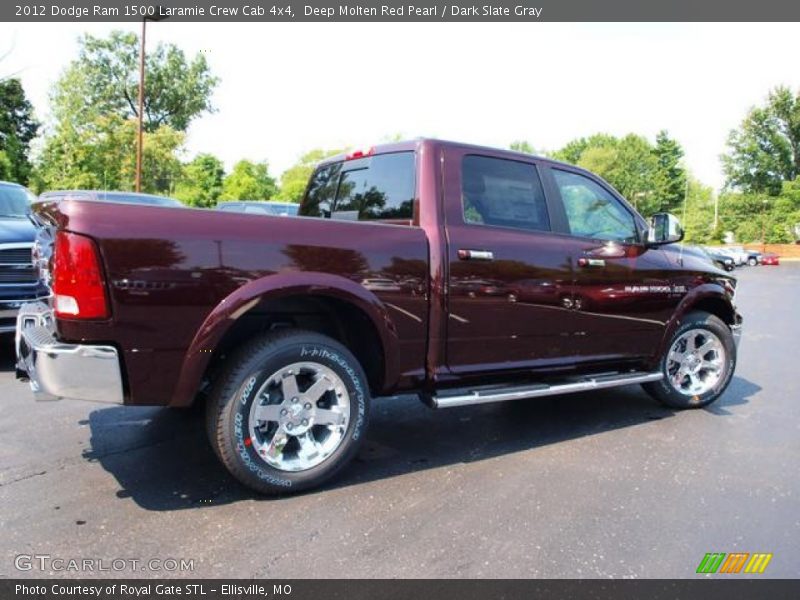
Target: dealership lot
x=590, y=485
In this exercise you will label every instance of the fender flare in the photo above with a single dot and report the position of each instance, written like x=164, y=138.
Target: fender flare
x=278, y=285
x=697, y=294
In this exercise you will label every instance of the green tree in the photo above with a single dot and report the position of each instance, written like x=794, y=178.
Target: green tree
x=765, y=150
x=201, y=181
x=670, y=176
x=573, y=151
x=248, y=181
x=100, y=155
x=5, y=166
x=18, y=128
x=295, y=178
x=105, y=80
x=698, y=218
x=650, y=177
x=522, y=146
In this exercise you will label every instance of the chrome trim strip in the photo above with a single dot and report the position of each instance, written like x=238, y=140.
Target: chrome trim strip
x=16, y=245
x=57, y=370
x=536, y=391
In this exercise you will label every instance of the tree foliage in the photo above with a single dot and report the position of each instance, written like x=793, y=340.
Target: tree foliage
x=18, y=128
x=764, y=151
x=753, y=215
x=647, y=175
x=201, y=181
x=670, y=181
x=522, y=146
x=249, y=181
x=100, y=155
x=104, y=80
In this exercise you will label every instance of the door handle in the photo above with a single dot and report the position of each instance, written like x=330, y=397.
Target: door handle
x=475, y=255
x=591, y=262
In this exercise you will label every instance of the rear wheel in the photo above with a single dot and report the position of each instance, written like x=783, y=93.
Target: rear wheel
x=698, y=364
x=289, y=411
x=752, y=261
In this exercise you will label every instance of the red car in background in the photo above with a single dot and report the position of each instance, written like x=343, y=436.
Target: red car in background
x=770, y=258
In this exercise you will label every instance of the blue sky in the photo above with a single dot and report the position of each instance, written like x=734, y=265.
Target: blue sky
x=287, y=88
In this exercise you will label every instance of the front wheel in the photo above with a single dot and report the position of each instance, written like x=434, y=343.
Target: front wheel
x=289, y=411
x=698, y=364
x=752, y=261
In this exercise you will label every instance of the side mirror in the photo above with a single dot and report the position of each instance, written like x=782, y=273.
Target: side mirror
x=664, y=229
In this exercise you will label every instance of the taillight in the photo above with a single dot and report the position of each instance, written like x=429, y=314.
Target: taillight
x=77, y=278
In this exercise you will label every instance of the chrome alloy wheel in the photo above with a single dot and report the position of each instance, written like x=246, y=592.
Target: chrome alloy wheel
x=695, y=362
x=299, y=416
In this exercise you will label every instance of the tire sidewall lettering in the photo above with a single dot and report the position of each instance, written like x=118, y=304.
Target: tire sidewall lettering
x=326, y=356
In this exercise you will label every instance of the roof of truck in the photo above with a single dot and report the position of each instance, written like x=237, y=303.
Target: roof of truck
x=415, y=143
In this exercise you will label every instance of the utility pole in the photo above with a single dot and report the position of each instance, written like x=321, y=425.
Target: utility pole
x=139, y=133
x=140, y=121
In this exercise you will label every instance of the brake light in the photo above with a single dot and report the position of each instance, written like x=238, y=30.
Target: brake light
x=78, y=283
x=359, y=154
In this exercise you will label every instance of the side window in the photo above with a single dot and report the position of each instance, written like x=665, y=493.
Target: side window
x=318, y=201
x=378, y=188
x=592, y=212
x=502, y=193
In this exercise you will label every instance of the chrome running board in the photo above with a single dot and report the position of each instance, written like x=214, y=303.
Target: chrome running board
x=500, y=394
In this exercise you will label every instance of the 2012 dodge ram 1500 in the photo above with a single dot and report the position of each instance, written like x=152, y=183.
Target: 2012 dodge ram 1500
x=462, y=273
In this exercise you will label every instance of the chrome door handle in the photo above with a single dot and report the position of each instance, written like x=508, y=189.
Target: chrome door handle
x=475, y=254
x=591, y=262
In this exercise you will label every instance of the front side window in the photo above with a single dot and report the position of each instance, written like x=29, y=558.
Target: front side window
x=502, y=193
x=592, y=212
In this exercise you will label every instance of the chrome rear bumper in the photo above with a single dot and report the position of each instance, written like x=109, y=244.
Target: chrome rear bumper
x=57, y=370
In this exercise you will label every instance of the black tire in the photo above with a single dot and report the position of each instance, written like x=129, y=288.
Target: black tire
x=663, y=390
x=231, y=398
x=752, y=261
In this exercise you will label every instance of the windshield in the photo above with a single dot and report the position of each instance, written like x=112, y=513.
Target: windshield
x=15, y=202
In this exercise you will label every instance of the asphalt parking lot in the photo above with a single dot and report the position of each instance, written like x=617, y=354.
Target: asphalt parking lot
x=607, y=484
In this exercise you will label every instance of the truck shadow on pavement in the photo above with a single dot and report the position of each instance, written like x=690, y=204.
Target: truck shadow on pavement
x=163, y=462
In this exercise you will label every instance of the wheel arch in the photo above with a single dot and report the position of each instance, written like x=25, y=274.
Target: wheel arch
x=708, y=297
x=307, y=294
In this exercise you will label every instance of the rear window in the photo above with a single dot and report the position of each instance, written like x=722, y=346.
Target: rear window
x=374, y=188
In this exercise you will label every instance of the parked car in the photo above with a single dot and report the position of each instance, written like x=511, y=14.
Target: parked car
x=738, y=253
x=19, y=281
x=114, y=197
x=256, y=207
x=753, y=257
x=537, y=278
x=722, y=260
x=770, y=258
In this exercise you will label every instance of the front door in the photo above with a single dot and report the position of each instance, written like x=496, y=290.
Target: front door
x=509, y=278
x=621, y=297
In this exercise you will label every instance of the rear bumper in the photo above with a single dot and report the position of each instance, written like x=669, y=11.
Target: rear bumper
x=57, y=370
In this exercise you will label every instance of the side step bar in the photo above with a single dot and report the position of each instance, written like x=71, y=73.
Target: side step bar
x=593, y=382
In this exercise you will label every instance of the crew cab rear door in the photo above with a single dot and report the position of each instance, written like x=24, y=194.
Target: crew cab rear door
x=509, y=276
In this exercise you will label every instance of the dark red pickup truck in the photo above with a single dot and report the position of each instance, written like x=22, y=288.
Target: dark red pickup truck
x=461, y=273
